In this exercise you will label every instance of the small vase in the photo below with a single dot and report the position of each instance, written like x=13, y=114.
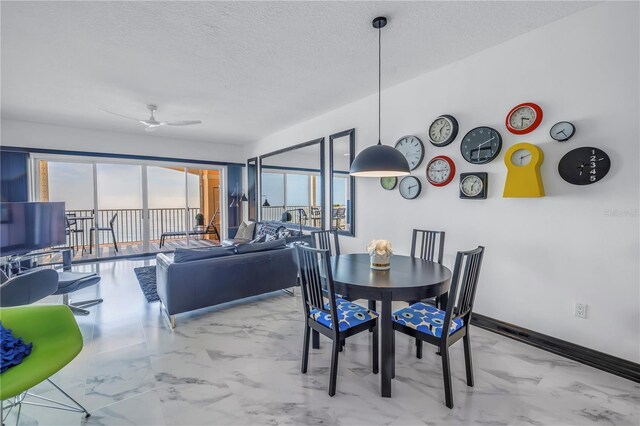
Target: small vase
x=381, y=262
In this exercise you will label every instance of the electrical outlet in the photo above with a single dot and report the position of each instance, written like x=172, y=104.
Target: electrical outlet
x=581, y=310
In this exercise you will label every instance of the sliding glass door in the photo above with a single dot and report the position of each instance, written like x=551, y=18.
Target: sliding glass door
x=72, y=183
x=127, y=209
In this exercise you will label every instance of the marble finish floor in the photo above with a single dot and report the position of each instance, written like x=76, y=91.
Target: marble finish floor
x=240, y=364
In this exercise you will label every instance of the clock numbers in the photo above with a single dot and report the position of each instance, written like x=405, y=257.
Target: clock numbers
x=443, y=130
x=412, y=149
x=584, y=166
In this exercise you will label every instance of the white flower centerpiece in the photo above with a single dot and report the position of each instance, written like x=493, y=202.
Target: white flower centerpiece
x=380, y=252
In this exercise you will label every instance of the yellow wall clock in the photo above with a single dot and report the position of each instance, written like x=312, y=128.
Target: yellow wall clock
x=523, y=162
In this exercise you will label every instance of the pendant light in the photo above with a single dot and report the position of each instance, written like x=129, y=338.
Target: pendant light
x=379, y=160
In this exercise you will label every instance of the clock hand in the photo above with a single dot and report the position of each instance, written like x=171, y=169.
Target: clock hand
x=522, y=157
x=487, y=141
x=562, y=131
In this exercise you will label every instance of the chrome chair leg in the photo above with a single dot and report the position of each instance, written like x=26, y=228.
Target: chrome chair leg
x=78, y=307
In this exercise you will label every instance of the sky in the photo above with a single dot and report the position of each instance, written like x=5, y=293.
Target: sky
x=119, y=186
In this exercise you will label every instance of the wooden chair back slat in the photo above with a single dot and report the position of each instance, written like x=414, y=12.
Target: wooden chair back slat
x=323, y=239
x=315, y=277
x=464, y=282
x=428, y=245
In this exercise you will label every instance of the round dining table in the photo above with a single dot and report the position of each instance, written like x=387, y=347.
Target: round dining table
x=409, y=279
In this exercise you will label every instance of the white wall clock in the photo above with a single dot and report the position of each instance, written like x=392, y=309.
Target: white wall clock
x=413, y=150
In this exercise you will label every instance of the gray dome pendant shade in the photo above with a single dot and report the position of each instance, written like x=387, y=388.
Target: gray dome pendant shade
x=379, y=160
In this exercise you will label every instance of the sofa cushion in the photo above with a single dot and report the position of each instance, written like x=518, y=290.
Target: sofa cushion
x=245, y=231
x=187, y=255
x=255, y=247
x=268, y=229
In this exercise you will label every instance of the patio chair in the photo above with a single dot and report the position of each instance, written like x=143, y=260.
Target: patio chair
x=104, y=228
x=73, y=231
x=210, y=229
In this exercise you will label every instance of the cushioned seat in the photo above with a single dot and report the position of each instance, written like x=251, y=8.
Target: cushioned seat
x=349, y=313
x=425, y=318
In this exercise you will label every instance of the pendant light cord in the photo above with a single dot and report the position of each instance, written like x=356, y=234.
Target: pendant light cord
x=379, y=79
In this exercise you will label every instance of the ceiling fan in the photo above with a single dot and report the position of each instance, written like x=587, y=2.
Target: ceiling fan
x=152, y=123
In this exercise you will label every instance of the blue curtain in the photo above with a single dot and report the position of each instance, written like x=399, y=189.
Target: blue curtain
x=234, y=192
x=14, y=168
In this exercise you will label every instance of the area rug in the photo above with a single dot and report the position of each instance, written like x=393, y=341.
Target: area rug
x=147, y=279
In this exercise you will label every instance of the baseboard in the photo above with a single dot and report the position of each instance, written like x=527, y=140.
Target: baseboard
x=609, y=363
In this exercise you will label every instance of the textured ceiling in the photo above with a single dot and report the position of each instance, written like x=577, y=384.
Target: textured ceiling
x=246, y=69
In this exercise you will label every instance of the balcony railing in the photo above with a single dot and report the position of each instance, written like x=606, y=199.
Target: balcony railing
x=128, y=225
x=312, y=216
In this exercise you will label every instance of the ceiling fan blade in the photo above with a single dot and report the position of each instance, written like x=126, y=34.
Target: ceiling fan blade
x=151, y=128
x=182, y=123
x=120, y=115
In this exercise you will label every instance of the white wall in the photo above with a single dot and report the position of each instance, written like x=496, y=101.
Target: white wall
x=577, y=244
x=39, y=135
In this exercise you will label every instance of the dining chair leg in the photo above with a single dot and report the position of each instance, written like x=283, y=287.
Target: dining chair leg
x=418, y=348
x=393, y=354
x=372, y=307
x=467, y=358
x=315, y=339
x=305, y=349
x=375, y=349
x=90, y=242
x=334, y=367
x=342, y=343
x=446, y=373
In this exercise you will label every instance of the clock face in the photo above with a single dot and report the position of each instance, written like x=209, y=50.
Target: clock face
x=562, y=131
x=584, y=166
x=521, y=157
x=410, y=187
x=481, y=145
x=388, y=183
x=440, y=171
x=473, y=185
x=524, y=118
x=412, y=149
x=443, y=130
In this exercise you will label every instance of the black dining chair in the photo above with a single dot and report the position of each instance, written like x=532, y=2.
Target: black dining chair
x=426, y=322
x=323, y=241
x=428, y=245
x=110, y=228
x=319, y=311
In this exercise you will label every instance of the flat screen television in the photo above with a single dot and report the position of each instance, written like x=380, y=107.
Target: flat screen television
x=25, y=227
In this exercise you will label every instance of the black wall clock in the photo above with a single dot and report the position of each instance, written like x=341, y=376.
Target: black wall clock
x=410, y=187
x=481, y=145
x=413, y=150
x=443, y=130
x=388, y=183
x=562, y=131
x=473, y=186
x=584, y=166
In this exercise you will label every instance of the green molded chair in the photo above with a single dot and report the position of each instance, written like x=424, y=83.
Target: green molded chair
x=56, y=342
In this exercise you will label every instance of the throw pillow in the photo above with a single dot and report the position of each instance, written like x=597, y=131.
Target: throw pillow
x=284, y=232
x=269, y=237
x=245, y=231
x=188, y=255
x=13, y=349
x=252, y=248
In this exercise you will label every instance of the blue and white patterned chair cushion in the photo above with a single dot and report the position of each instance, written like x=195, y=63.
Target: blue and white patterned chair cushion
x=425, y=318
x=349, y=313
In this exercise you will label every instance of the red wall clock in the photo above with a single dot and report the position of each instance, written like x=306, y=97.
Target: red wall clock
x=440, y=170
x=524, y=118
